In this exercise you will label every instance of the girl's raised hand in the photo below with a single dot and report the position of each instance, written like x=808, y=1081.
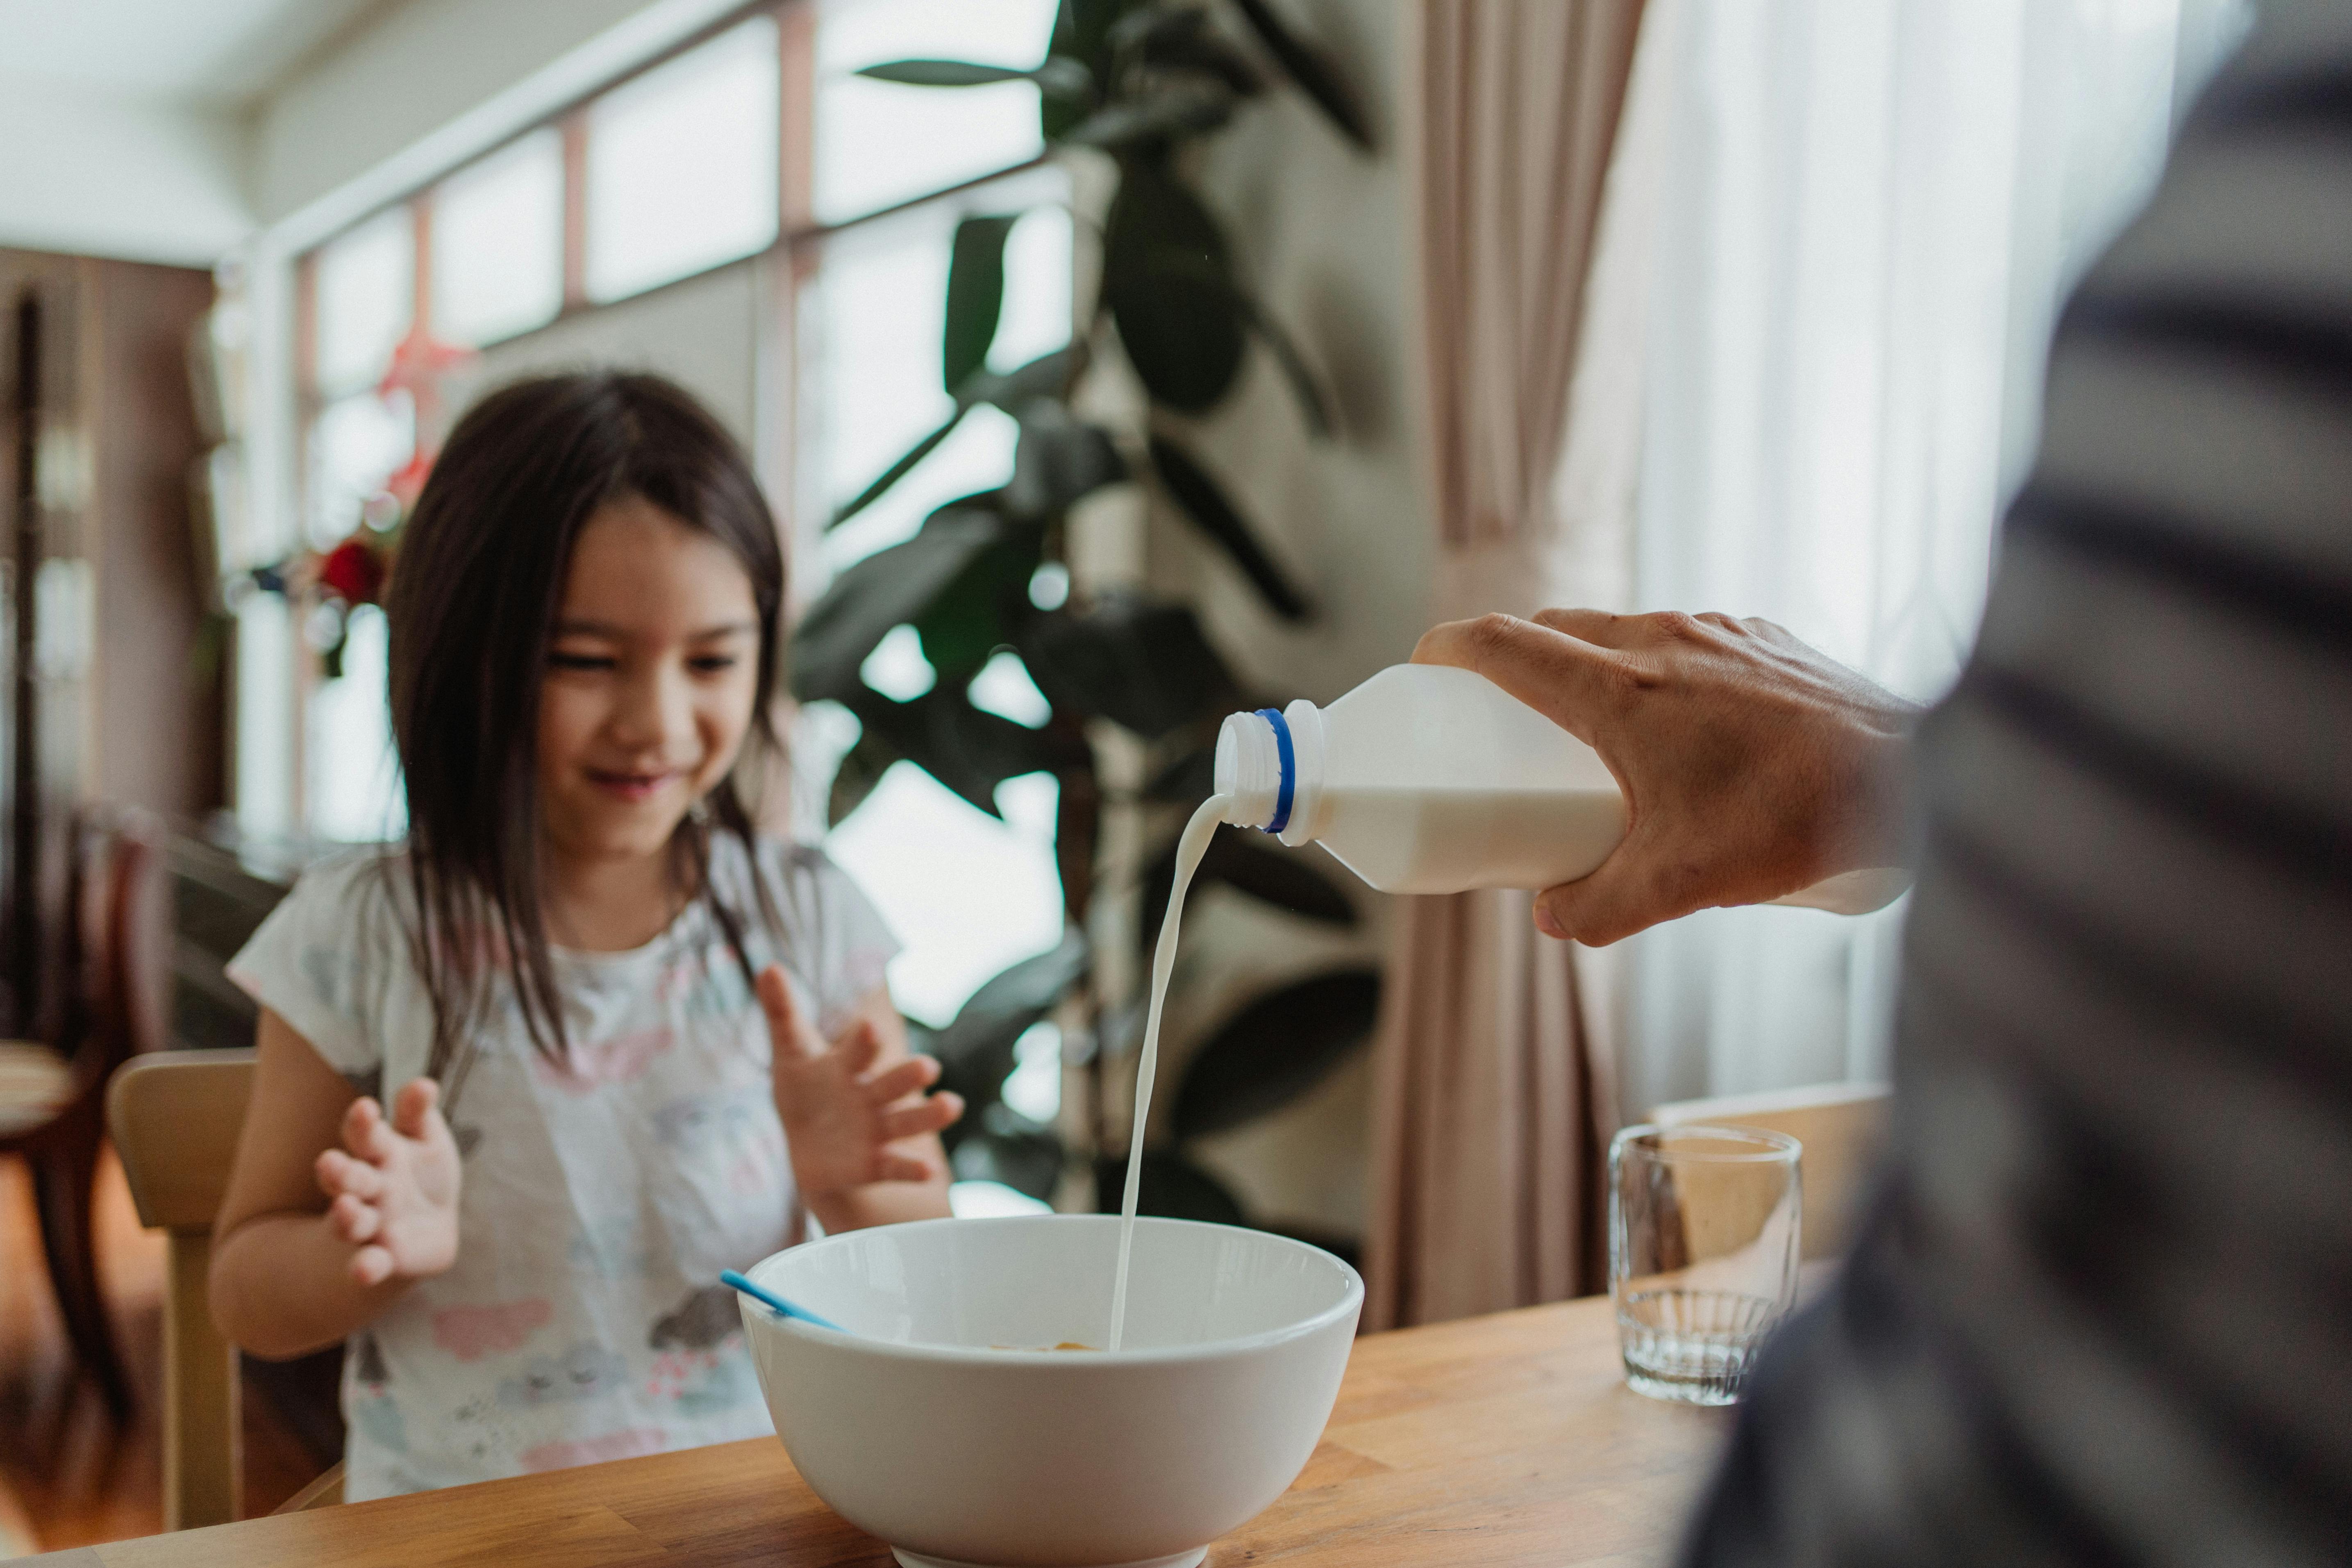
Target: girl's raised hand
x=842, y=1115
x=392, y=1189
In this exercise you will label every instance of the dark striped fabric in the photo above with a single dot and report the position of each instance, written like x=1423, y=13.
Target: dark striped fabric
x=2103, y=1313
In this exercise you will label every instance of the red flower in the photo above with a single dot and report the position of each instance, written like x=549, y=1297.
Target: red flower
x=353, y=573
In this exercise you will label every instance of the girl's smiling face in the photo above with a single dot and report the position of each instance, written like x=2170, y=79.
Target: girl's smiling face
x=651, y=675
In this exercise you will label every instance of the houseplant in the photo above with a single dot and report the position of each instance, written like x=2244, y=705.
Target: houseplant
x=1139, y=82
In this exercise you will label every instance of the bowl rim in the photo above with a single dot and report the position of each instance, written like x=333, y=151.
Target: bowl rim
x=1350, y=1302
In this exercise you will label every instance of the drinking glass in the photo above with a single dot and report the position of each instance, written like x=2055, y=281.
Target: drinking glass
x=1703, y=1233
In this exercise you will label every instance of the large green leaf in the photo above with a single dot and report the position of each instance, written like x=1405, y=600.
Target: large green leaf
x=976, y=1050
x=1276, y=1049
x=1304, y=385
x=1180, y=38
x=1002, y=1009
x=1058, y=460
x=1139, y=663
x=1173, y=1187
x=983, y=608
x=969, y=750
x=1167, y=278
x=859, y=772
x=1249, y=862
x=1203, y=500
x=897, y=470
x=1048, y=375
x=1082, y=31
x=1181, y=108
x=943, y=73
x=1316, y=79
x=889, y=588
x=975, y=296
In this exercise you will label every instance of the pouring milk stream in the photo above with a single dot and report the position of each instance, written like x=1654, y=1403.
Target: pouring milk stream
x=1424, y=779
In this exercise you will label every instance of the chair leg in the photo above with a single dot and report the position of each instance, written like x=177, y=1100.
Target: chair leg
x=64, y=1176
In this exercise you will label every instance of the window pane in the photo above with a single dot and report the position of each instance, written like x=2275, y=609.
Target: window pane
x=497, y=244
x=365, y=290
x=879, y=143
x=1036, y=319
x=682, y=164
x=353, y=784
x=355, y=444
x=969, y=895
x=872, y=335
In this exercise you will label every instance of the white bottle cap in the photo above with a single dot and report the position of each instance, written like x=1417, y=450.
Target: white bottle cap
x=1256, y=770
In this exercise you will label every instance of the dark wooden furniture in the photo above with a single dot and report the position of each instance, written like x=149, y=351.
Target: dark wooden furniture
x=52, y=1092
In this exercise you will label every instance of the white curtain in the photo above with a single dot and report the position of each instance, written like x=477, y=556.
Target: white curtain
x=1870, y=213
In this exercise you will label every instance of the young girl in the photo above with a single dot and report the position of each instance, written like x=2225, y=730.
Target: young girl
x=626, y=1041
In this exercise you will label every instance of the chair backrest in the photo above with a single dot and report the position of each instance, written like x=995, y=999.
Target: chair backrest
x=114, y=961
x=1843, y=1127
x=175, y=1116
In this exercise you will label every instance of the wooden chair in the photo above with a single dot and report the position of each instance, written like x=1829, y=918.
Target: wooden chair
x=1842, y=1128
x=51, y=1091
x=175, y=1118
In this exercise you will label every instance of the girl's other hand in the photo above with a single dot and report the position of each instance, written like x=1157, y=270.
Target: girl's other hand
x=392, y=1189
x=847, y=1121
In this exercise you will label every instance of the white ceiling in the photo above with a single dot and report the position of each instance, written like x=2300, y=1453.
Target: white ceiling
x=197, y=53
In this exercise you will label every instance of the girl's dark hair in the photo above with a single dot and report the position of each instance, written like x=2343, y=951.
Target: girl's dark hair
x=472, y=608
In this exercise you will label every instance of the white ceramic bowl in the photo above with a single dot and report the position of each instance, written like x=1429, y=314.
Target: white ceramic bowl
x=964, y=1455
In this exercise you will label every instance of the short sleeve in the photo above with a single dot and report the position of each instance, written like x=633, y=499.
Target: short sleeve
x=835, y=943
x=319, y=961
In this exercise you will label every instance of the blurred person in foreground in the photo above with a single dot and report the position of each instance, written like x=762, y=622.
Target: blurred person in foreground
x=2102, y=1311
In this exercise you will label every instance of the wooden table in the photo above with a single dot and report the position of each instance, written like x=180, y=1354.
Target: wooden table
x=1497, y=1441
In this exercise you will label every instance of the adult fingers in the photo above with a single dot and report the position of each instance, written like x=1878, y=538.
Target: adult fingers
x=927, y=1115
x=1566, y=678
x=339, y=1173
x=1598, y=627
x=859, y=1044
x=364, y=1132
x=371, y=1265
x=354, y=1221
x=792, y=1037
x=413, y=1107
x=897, y=1167
x=1631, y=892
x=900, y=1080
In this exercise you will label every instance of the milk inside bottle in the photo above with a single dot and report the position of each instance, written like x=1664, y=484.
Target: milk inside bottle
x=1430, y=779
x=1424, y=779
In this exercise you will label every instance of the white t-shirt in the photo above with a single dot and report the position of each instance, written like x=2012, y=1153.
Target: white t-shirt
x=582, y=1320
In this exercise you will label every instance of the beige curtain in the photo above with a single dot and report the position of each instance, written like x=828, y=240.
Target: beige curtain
x=1490, y=1098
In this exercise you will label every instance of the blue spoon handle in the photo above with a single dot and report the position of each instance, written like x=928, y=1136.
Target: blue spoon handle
x=776, y=1303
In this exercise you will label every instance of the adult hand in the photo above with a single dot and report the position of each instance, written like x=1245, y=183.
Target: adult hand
x=1752, y=766
x=847, y=1122
x=392, y=1189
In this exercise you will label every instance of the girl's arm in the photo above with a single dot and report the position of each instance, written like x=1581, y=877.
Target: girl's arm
x=332, y=1211
x=862, y=1132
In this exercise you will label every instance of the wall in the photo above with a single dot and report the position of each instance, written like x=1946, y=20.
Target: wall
x=156, y=713
x=703, y=333
x=99, y=175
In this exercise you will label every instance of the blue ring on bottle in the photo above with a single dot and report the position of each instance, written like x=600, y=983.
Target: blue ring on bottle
x=1288, y=790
